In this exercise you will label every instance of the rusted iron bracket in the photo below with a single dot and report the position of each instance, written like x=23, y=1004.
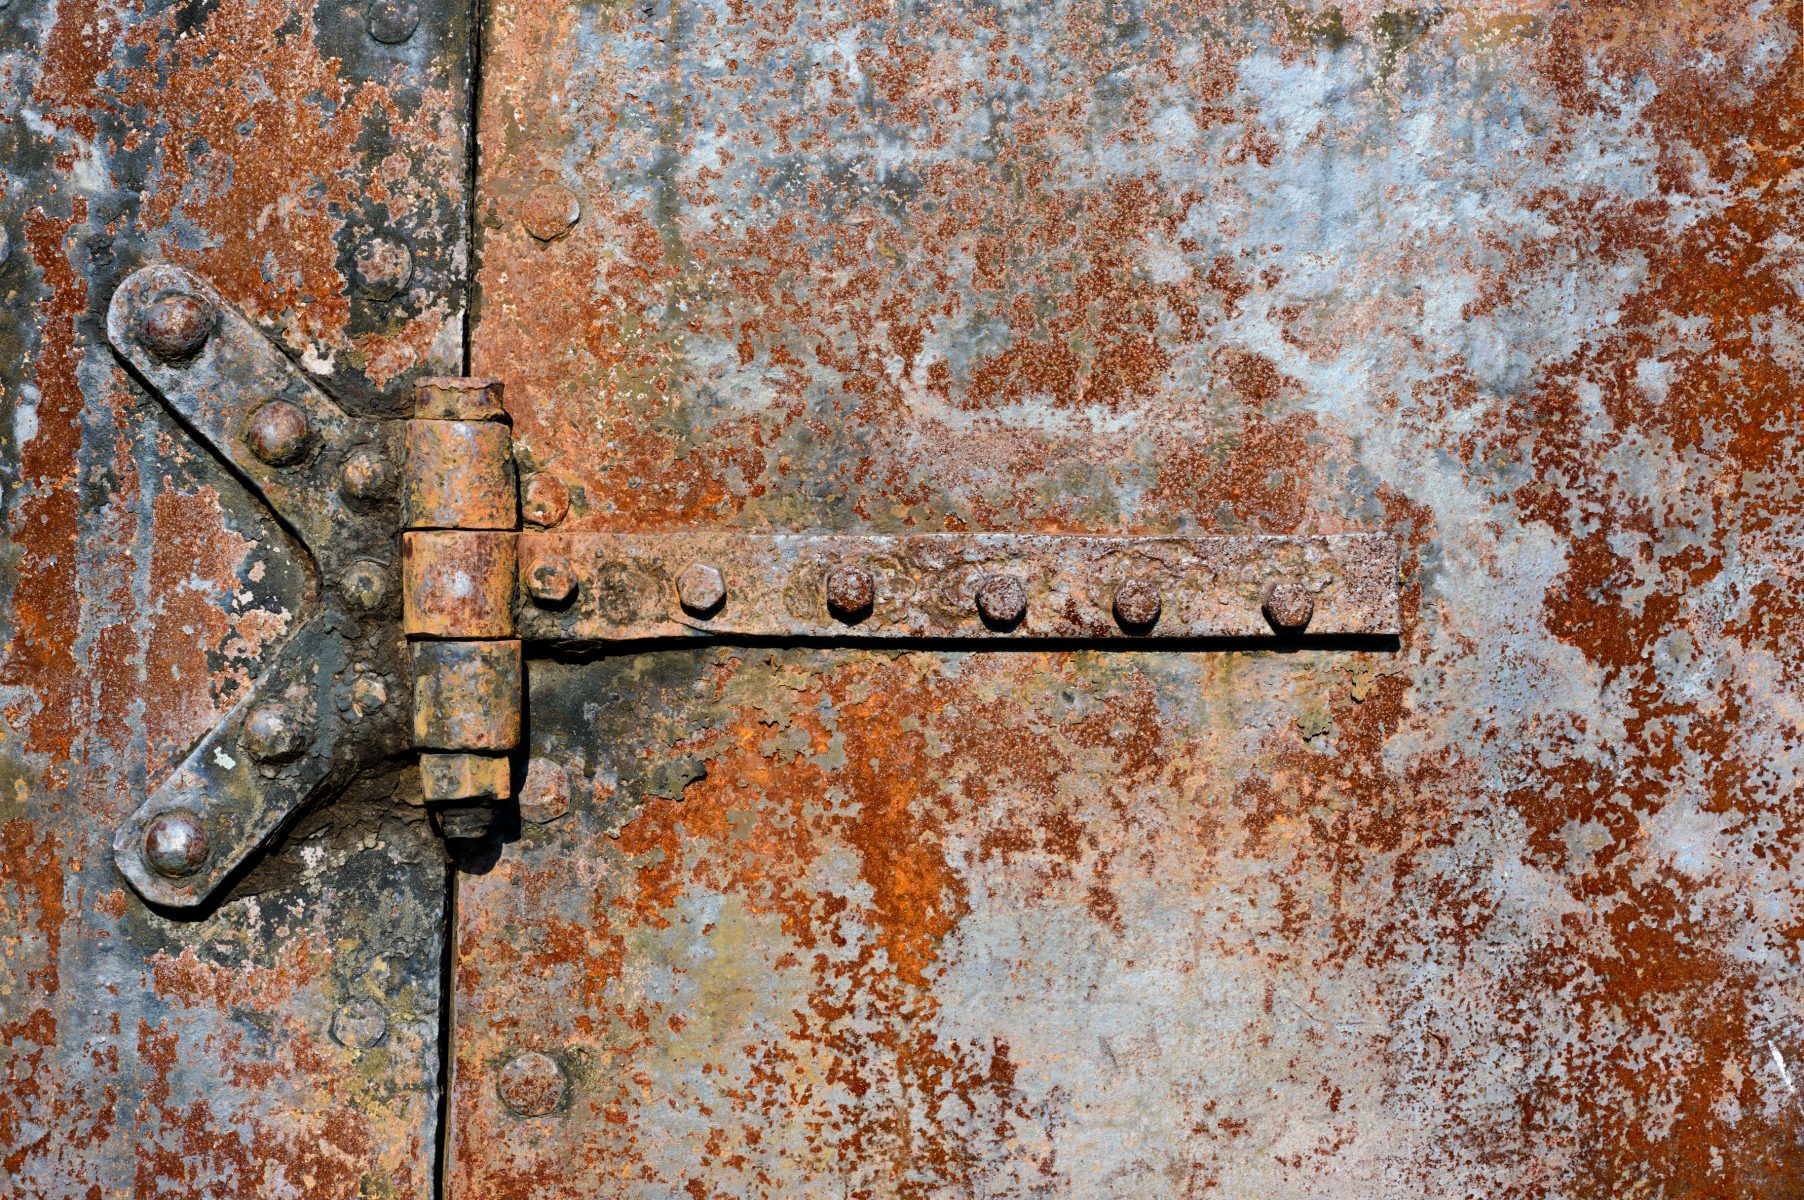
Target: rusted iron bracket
x=332, y=699
x=433, y=503
x=585, y=588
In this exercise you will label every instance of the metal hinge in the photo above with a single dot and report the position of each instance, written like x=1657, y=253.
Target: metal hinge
x=430, y=588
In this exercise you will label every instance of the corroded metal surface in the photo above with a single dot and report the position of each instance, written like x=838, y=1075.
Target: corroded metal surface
x=630, y=586
x=1510, y=911
x=281, y=1042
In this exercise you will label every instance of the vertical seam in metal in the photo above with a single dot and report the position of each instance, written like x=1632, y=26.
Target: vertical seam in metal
x=447, y=1024
x=447, y=1003
x=473, y=105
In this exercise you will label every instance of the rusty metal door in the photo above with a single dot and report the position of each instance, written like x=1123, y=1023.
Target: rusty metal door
x=1505, y=906
x=1063, y=599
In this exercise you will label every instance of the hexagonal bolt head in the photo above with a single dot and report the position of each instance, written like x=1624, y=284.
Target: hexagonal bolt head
x=366, y=585
x=366, y=476
x=382, y=266
x=277, y=433
x=544, y=501
x=1288, y=606
x=545, y=796
x=1137, y=605
x=273, y=734
x=551, y=581
x=359, y=1024
x=175, y=844
x=702, y=589
x=174, y=328
x=851, y=591
x=550, y=211
x=392, y=22
x=1001, y=600
x=531, y=1084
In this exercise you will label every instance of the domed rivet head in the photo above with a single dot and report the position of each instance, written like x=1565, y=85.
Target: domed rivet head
x=851, y=591
x=368, y=693
x=175, y=327
x=277, y=433
x=392, y=22
x=366, y=476
x=532, y=1084
x=382, y=266
x=365, y=585
x=1137, y=606
x=1288, y=606
x=702, y=589
x=550, y=581
x=545, y=500
x=175, y=844
x=273, y=734
x=1001, y=600
x=550, y=211
x=359, y=1024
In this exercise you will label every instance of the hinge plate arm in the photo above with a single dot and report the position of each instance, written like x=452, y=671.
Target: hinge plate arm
x=333, y=697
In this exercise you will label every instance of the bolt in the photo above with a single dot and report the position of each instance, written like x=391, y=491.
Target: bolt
x=277, y=433
x=366, y=476
x=175, y=327
x=532, y=1084
x=1001, y=600
x=551, y=581
x=368, y=693
x=383, y=266
x=1288, y=606
x=546, y=500
x=851, y=590
x=701, y=588
x=392, y=22
x=359, y=1024
x=545, y=796
x=365, y=585
x=550, y=211
x=272, y=734
x=175, y=844
x=1137, y=605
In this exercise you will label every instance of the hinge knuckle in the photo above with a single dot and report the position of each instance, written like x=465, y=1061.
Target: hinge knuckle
x=461, y=506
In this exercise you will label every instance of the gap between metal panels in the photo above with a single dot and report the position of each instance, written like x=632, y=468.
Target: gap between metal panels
x=447, y=975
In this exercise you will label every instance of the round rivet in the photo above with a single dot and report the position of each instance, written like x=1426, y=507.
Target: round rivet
x=701, y=588
x=1288, y=606
x=851, y=591
x=532, y=1084
x=277, y=433
x=365, y=585
x=175, y=844
x=359, y=1024
x=383, y=266
x=1001, y=600
x=368, y=693
x=176, y=327
x=1137, y=605
x=545, y=500
x=273, y=734
x=392, y=22
x=550, y=211
x=366, y=476
x=550, y=580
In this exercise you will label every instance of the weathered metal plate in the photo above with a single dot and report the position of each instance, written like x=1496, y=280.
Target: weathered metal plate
x=280, y=1042
x=926, y=585
x=1509, y=912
